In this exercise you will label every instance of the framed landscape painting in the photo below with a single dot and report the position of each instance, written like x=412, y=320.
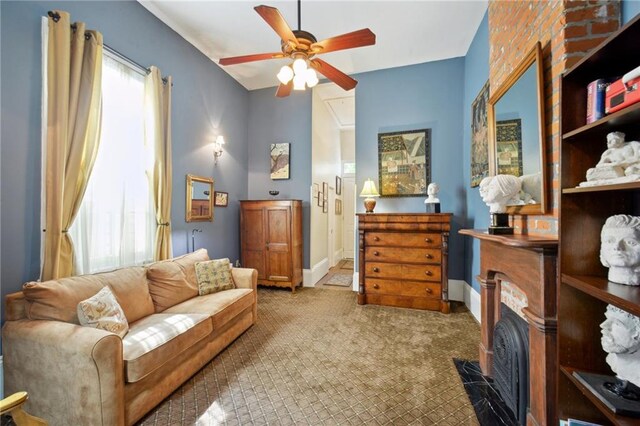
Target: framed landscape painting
x=479, y=137
x=280, y=161
x=404, y=163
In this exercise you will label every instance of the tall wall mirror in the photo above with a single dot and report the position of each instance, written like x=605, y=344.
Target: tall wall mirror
x=517, y=142
x=199, y=199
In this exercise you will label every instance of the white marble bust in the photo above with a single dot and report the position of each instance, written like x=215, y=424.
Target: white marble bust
x=618, y=164
x=497, y=190
x=620, y=248
x=621, y=340
x=432, y=192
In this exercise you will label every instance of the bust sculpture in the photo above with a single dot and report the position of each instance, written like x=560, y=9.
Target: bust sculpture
x=621, y=340
x=620, y=248
x=497, y=190
x=432, y=192
x=618, y=164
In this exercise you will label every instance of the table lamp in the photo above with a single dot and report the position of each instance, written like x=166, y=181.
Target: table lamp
x=369, y=191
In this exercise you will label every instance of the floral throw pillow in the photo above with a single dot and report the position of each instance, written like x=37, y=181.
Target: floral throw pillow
x=213, y=276
x=103, y=311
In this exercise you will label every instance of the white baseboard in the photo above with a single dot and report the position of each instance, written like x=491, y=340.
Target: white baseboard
x=355, y=282
x=456, y=290
x=472, y=300
x=311, y=276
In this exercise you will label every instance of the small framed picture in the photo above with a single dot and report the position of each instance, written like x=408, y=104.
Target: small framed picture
x=338, y=185
x=320, y=199
x=316, y=190
x=325, y=190
x=221, y=199
x=338, y=207
x=325, y=206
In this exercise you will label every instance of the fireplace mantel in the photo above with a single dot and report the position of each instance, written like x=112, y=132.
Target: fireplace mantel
x=530, y=263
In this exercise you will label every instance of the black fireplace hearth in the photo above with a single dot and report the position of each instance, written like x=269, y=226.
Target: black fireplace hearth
x=511, y=362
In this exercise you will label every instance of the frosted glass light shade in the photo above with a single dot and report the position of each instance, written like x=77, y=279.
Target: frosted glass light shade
x=285, y=75
x=299, y=66
x=311, y=77
x=298, y=82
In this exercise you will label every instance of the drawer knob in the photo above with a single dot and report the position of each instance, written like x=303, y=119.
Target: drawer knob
x=376, y=269
x=375, y=253
x=429, y=291
x=428, y=256
x=376, y=238
x=376, y=286
x=427, y=240
x=429, y=273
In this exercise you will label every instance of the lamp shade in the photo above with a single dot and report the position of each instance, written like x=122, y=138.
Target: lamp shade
x=369, y=189
x=220, y=140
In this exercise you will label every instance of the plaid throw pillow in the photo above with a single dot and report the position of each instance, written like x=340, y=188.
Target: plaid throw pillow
x=103, y=311
x=213, y=276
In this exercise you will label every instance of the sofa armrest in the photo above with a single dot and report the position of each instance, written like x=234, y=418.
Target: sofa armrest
x=247, y=278
x=73, y=374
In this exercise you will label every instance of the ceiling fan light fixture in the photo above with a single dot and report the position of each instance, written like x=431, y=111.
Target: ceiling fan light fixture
x=300, y=66
x=311, y=77
x=299, y=82
x=285, y=75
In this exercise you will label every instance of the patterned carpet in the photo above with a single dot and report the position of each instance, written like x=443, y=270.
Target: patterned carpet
x=317, y=358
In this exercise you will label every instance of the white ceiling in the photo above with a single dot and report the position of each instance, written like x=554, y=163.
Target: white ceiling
x=341, y=104
x=407, y=32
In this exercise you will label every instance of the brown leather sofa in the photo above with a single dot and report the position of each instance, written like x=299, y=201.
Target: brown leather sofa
x=85, y=376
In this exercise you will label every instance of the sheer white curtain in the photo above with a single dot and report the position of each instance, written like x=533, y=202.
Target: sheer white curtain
x=116, y=223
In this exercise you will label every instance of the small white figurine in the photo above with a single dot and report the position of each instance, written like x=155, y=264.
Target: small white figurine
x=432, y=192
x=620, y=248
x=497, y=190
x=621, y=340
x=620, y=163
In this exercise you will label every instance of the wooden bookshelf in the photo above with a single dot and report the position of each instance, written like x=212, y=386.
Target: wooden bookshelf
x=584, y=291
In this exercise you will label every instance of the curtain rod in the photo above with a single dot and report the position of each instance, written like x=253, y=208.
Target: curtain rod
x=143, y=70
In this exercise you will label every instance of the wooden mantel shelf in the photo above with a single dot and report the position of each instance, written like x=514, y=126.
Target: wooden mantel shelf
x=517, y=240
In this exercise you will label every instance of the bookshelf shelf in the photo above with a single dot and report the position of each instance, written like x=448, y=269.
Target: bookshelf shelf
x=623, y=296
x=615, y=187
x=609, y=123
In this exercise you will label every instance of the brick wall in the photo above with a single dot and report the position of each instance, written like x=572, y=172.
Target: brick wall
x=566, y=31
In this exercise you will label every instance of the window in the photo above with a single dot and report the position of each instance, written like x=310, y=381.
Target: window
x=348, y=169
x=116, y=224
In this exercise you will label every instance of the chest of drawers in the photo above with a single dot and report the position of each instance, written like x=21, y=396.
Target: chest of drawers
x=403, y=260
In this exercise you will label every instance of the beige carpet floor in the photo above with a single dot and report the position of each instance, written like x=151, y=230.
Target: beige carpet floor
x=317, y=358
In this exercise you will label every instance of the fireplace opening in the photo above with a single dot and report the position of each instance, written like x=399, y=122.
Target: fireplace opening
x=511, y=362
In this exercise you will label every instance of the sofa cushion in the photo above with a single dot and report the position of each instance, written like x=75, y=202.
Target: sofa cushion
x=156, y=339
x=221, y=307
x=58, y=299
x=214, y=276
x=173, y=281
x=102, y=311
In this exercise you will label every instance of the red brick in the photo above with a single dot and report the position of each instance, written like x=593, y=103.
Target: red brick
x=583, y=45
x=606, y=27
x=575, y=31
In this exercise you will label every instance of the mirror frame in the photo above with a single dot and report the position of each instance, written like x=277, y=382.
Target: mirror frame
x=534, y=56
x=190, y=217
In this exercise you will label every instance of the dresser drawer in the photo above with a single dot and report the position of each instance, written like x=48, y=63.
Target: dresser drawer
x=403, y=239
x=402, y=255
x=404, y=272
x=402, y=288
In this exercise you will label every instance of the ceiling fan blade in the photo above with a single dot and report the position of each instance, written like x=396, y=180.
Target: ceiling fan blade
x=277, y=22
x=358, y=38
x=284, y=90
x=333, y=74
x=250, y=58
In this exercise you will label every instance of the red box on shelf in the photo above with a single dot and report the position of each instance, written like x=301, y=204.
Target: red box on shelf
x=623, y=92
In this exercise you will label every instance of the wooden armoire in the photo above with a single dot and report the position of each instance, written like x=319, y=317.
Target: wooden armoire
x=271, y=241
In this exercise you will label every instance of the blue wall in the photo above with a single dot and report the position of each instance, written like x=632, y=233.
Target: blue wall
x=630, y=8
x=206, y=101
x=279, y=120
x=416, y=97
x=476, y=74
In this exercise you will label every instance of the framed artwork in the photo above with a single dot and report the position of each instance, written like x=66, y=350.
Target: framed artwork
x=221, y=199
x=509, y=147
x=280, y=161
x=338, y=185
x=316, y=190
x=404, y=163
x=320, y=199
x=480, y=137
x=338, y=207
x=325, y=191
x=325, y=206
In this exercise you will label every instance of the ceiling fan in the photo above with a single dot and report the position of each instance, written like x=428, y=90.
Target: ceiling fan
x=302, y=47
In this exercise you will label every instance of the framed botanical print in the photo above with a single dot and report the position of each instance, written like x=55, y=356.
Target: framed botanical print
x=404, y=163
x=316, y=190
x=280, y=161
x=325, y=206
x=221, y=199
x=338, y=185
x=325, y=190
x=480, y=137
x=338, y=207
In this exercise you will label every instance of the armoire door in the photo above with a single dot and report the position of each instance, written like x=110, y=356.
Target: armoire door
x=279, y=243
x=254, y=240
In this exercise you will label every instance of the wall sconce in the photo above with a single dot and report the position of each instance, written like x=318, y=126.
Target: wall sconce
x=217, y=148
